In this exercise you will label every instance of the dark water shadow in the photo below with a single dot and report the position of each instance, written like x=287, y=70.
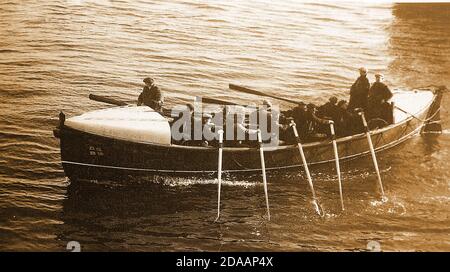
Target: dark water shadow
x=420, y=44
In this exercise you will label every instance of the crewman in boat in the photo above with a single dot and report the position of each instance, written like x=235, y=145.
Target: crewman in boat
x=296, y=114
x=306, y=121
x=359, y=91
x=271, y=128
x=186, y=120
x=378, y=105
x=317, y=128
x=299, y=113
x=237, y=132
x=346, y=120
x=248, y=133
x=208, y=127
x=151, y=95
x=329, y=110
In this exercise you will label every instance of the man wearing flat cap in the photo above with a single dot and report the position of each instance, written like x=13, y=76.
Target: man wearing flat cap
x=378, y=106
x=359, y=91
x=151, y=95
x=379, y=90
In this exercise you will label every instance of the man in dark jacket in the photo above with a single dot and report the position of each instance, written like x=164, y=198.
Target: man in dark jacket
x=151, y=95
x=378, y=106
x=379, y=91
x=359, y=91
x=317, y=127
x=329, y=110
x=349, y=122
x=299, y=116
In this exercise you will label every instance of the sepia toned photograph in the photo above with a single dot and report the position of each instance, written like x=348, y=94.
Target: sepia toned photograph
x=224, y=126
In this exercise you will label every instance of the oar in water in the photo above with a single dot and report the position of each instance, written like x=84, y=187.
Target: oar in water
x=305, y=165
x=219, y=172
x=263, y=168
x=254, y=92
x=336, y=157
x=372, y=151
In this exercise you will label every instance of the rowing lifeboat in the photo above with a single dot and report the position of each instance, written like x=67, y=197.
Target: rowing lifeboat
x=136, y=141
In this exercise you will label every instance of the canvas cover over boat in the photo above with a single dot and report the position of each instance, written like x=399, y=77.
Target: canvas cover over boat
x=413, y=102
x=136, y=124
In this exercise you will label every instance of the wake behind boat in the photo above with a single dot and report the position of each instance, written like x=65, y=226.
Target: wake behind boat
x=117, y=142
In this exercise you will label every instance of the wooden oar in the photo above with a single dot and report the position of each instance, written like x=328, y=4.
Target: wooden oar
x=107, y=100
x=336, y=157
x=219, y=172
x=372, y=151
x=305, y=165
x=165, y=111
x=263, y=168
x=113, y=101
x=254, y=92
x=217, y=101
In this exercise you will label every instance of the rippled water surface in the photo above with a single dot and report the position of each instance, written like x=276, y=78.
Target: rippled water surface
x=54, y=53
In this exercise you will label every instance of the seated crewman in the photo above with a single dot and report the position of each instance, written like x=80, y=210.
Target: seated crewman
x=151, y=95
x=329, y=110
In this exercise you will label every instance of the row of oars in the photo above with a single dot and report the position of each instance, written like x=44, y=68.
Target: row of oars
x=261, y=149
x=302, y=155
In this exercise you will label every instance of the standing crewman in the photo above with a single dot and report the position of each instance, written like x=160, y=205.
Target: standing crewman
x=378, y=105
x=359, y=91
x=151, y=95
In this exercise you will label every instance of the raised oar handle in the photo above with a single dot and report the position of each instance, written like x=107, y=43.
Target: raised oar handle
x=217, y=101
x=107, y=100
x=254, y=92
